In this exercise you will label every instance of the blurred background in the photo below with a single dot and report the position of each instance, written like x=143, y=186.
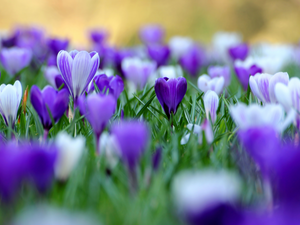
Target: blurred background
x=268, y=20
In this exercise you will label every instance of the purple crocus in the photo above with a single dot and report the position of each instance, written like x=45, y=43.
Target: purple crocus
x=170, y=93
x=220, y=71
x=49, y=99
x=98, y=109
x=113, y=84
x=239, y=51
x=152, y=34
x=192, y=60
x=77, y=70
x=56, y=44
x=15, y=59
x=159, y=53
x=98, y=35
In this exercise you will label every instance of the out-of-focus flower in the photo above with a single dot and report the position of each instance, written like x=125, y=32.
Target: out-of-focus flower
x=9, y=41
x=244, y=69
x=159, y=53
x=15, y=59
x=193, y=60
x=170, y=93
x=255, y=115
x=206, y=83
x=211, y=103
x=263, y=85
x=151, y=34
x=50, y=73
x=98, y=35
x=49, y=99
x=198, y=194
x=156, y=158
x=10, y=98
x=170, y=71
x=69, y=152
x=77, y=70
x=239, y=51
x=109, y=148
x=197, y=130
x=179, y=46
x=138, y=71
x=98, y=109
x=113, y=84
x=220, y=71
x=55, y=45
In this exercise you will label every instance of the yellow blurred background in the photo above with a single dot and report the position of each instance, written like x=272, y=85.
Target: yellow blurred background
x=267, y=20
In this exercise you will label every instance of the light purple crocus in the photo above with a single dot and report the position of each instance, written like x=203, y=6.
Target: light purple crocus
x=159, y=53
x=170, y=93
x=49, y=99
x=211, y=103
x=15, y=59
x=152, y=34
x=206, y=83
x=113, y=84
x=77, y=70
x=50, y=73
x=98, y=109
x=220, y=71
x=239, y=51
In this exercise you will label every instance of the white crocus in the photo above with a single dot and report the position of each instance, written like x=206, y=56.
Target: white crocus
x=170, y=71
x=195, y=191
x=70, y=151
x=255, y=115
x=179, y=46
x=197, y=130
x=211, y=103
x=109, y=148
x=10, y=98
x=206, y=83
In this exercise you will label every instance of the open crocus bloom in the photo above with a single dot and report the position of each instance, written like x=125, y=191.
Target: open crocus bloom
x=206, y=83
x=220, y=71
x=255, y=115
x=10, y=98
x=263, y=85
x=211, y=103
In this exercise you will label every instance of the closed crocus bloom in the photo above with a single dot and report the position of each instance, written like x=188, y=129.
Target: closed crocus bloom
x=152, y=33
x=15, y=59
x=159, y=53
x=220, y=71
x=98, y=35
x=138, y=71
x=55, y=45
x=206, y=83
x=98, y=109
x=211, y=103
x=263, y=85
x=70, y=151
x=170, y=93
x=179, y=46
x=77, y=70
x=239, y=51
x=49, y=99
x=10, y=98
x=113, y=84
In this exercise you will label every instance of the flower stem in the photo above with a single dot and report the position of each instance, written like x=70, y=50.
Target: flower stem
x=46, y=132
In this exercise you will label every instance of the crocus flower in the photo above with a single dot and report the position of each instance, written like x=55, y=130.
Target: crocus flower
x=263, y=85
x=211, y=103
x=179, y=46
x=77, y=70
x=239, y=51
x=98, y=110
x=138, y=71
x=220, y=71
x=206, y=83
x=10, y=98
x=152, y=34
x=132, y=138
x=255, y=115
x=109, y=148
x=49, y=99
x=244, y=70
x=170, y=71
x=192, y=60
x=159, y=53
x=15, y=59
x=50, y=73
x=113, y=84
x=55, y=45
x=197, y=130
x=69, y=152
x=170, y=93
x=98, y=35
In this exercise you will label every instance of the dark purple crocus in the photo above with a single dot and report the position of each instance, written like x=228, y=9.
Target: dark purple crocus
x=192, y=60
x=159, y=53
x=113, y=84
x=56, y=44
x=170, y=93
x=98, y=109
x=239, y=51
x=151, y=34
x=98, y=35
x=10, y=41
x=49, y=99
x=243, y=73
